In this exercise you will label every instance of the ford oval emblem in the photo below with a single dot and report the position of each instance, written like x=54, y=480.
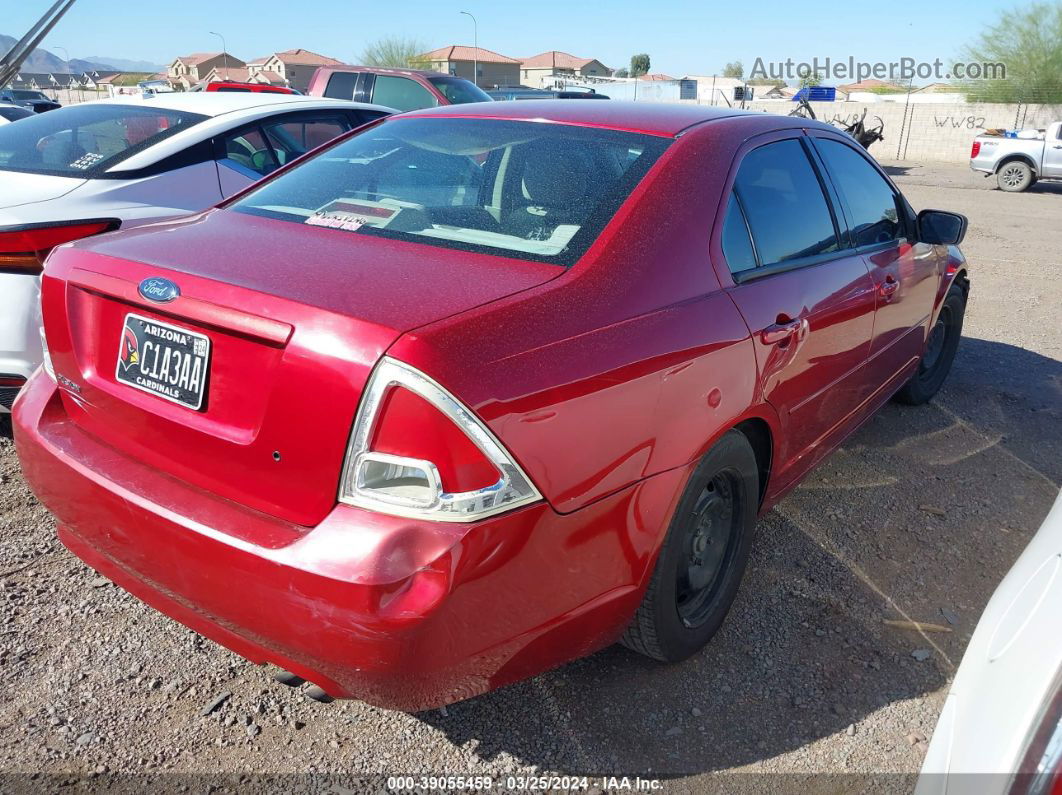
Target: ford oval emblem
x=159, y=290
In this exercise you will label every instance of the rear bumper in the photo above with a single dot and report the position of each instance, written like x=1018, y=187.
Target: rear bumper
x=403, y=614
x=20, y=322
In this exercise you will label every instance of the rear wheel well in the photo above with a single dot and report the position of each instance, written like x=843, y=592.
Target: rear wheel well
x=1012, y=158
x=758, y=433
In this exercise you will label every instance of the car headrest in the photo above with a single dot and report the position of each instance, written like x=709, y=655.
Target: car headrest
x=557, y=175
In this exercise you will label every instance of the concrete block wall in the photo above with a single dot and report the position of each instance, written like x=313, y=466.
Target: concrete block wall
x=927, y=131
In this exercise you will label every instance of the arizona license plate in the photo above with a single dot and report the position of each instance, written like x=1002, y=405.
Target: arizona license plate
x=165, y=360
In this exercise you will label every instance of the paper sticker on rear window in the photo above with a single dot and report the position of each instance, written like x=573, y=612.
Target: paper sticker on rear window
x=350, y=216
x=87, y=160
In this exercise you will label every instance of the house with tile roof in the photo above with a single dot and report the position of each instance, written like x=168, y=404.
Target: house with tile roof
x=292, y=68
x=494, y=68
x=235, y=74
x=872, y=85
x=539, y=70
x=188, y=70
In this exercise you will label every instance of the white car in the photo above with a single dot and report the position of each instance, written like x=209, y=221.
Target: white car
x=90, y=168
x=10, y=113
x=1000, y=732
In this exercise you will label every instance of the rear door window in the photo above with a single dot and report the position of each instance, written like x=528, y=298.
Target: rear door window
x=784, y=203
x=248, y=149
x=294, y=137
x=341, y=85
x=870, y=202
x=402, y=93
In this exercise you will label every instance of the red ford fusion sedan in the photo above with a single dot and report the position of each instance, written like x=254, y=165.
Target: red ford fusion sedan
x=478, y=390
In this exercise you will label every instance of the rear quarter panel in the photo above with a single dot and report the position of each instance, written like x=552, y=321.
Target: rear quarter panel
x=630, y=364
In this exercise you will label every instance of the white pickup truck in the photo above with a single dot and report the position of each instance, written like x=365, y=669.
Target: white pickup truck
x=1019, y=159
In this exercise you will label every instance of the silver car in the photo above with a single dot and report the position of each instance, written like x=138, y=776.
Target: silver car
x=90, y=168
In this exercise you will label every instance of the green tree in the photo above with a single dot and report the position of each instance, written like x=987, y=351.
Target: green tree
x=810, y=79
x=1028, y=42
x=393, y=51
x=621, y=73
x=734, y=69
x=639, y=65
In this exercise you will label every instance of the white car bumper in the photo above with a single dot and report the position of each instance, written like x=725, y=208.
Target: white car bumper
x=20, y=338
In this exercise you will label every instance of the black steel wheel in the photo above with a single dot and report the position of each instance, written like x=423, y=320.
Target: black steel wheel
x=709, y=545
x=939, y=353
x=703, y=555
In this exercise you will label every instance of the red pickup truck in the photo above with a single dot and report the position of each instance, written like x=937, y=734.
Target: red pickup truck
x=402, y=89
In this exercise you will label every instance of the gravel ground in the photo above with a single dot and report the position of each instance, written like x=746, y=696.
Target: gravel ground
x=918, y=517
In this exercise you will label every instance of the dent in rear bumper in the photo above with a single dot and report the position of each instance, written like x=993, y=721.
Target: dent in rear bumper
x=405, y=614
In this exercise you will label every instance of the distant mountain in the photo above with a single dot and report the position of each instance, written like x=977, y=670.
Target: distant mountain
x=41, y=60
x=124, y=64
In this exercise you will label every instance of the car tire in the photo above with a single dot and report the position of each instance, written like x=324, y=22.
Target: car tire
x=1015, y=176
x=703, y=556
x=939, y=353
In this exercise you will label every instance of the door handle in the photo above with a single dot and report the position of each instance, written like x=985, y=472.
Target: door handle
x=780, y=332
x=889, y=287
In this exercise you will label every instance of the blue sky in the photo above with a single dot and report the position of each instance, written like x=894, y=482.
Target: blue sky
x=681, y=37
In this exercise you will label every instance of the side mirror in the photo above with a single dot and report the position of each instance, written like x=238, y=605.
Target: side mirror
x=941, y=228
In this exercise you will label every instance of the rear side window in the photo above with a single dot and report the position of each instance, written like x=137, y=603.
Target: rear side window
x=737, y=246
x=249, y=149
x=401, y=93
x=784, y=203
x=341, y=85
x=262, y=148
x=297, y=137
x=871, y=204
x=458, y=91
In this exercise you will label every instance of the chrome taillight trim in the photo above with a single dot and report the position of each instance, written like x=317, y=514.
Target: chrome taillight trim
x=513, y=489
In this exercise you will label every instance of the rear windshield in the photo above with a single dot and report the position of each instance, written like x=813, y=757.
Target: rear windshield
x=85, y=140
x=523, y=189
x=459, y=91
x=22, y=94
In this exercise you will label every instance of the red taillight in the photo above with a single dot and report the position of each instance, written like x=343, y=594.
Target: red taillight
x=11, y=381
x=975, y=150
x=23, y=248
x=409, y=426
x=417, y=451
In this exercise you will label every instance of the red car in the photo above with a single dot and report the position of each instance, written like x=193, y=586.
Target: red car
x=402, y=89
x=252, y=88
x=475, y=391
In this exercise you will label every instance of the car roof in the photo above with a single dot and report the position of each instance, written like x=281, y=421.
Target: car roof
x=211, y=103
x=242, y=108
x=655, y=118
x=388, y=70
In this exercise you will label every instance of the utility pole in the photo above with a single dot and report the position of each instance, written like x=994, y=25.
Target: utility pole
x=475, y=48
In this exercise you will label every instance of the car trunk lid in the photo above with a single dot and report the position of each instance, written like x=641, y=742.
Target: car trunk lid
x=23, y=188
x=296, y=318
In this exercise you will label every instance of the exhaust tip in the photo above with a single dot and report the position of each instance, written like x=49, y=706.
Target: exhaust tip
x=288, y=678
x=317, y=694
